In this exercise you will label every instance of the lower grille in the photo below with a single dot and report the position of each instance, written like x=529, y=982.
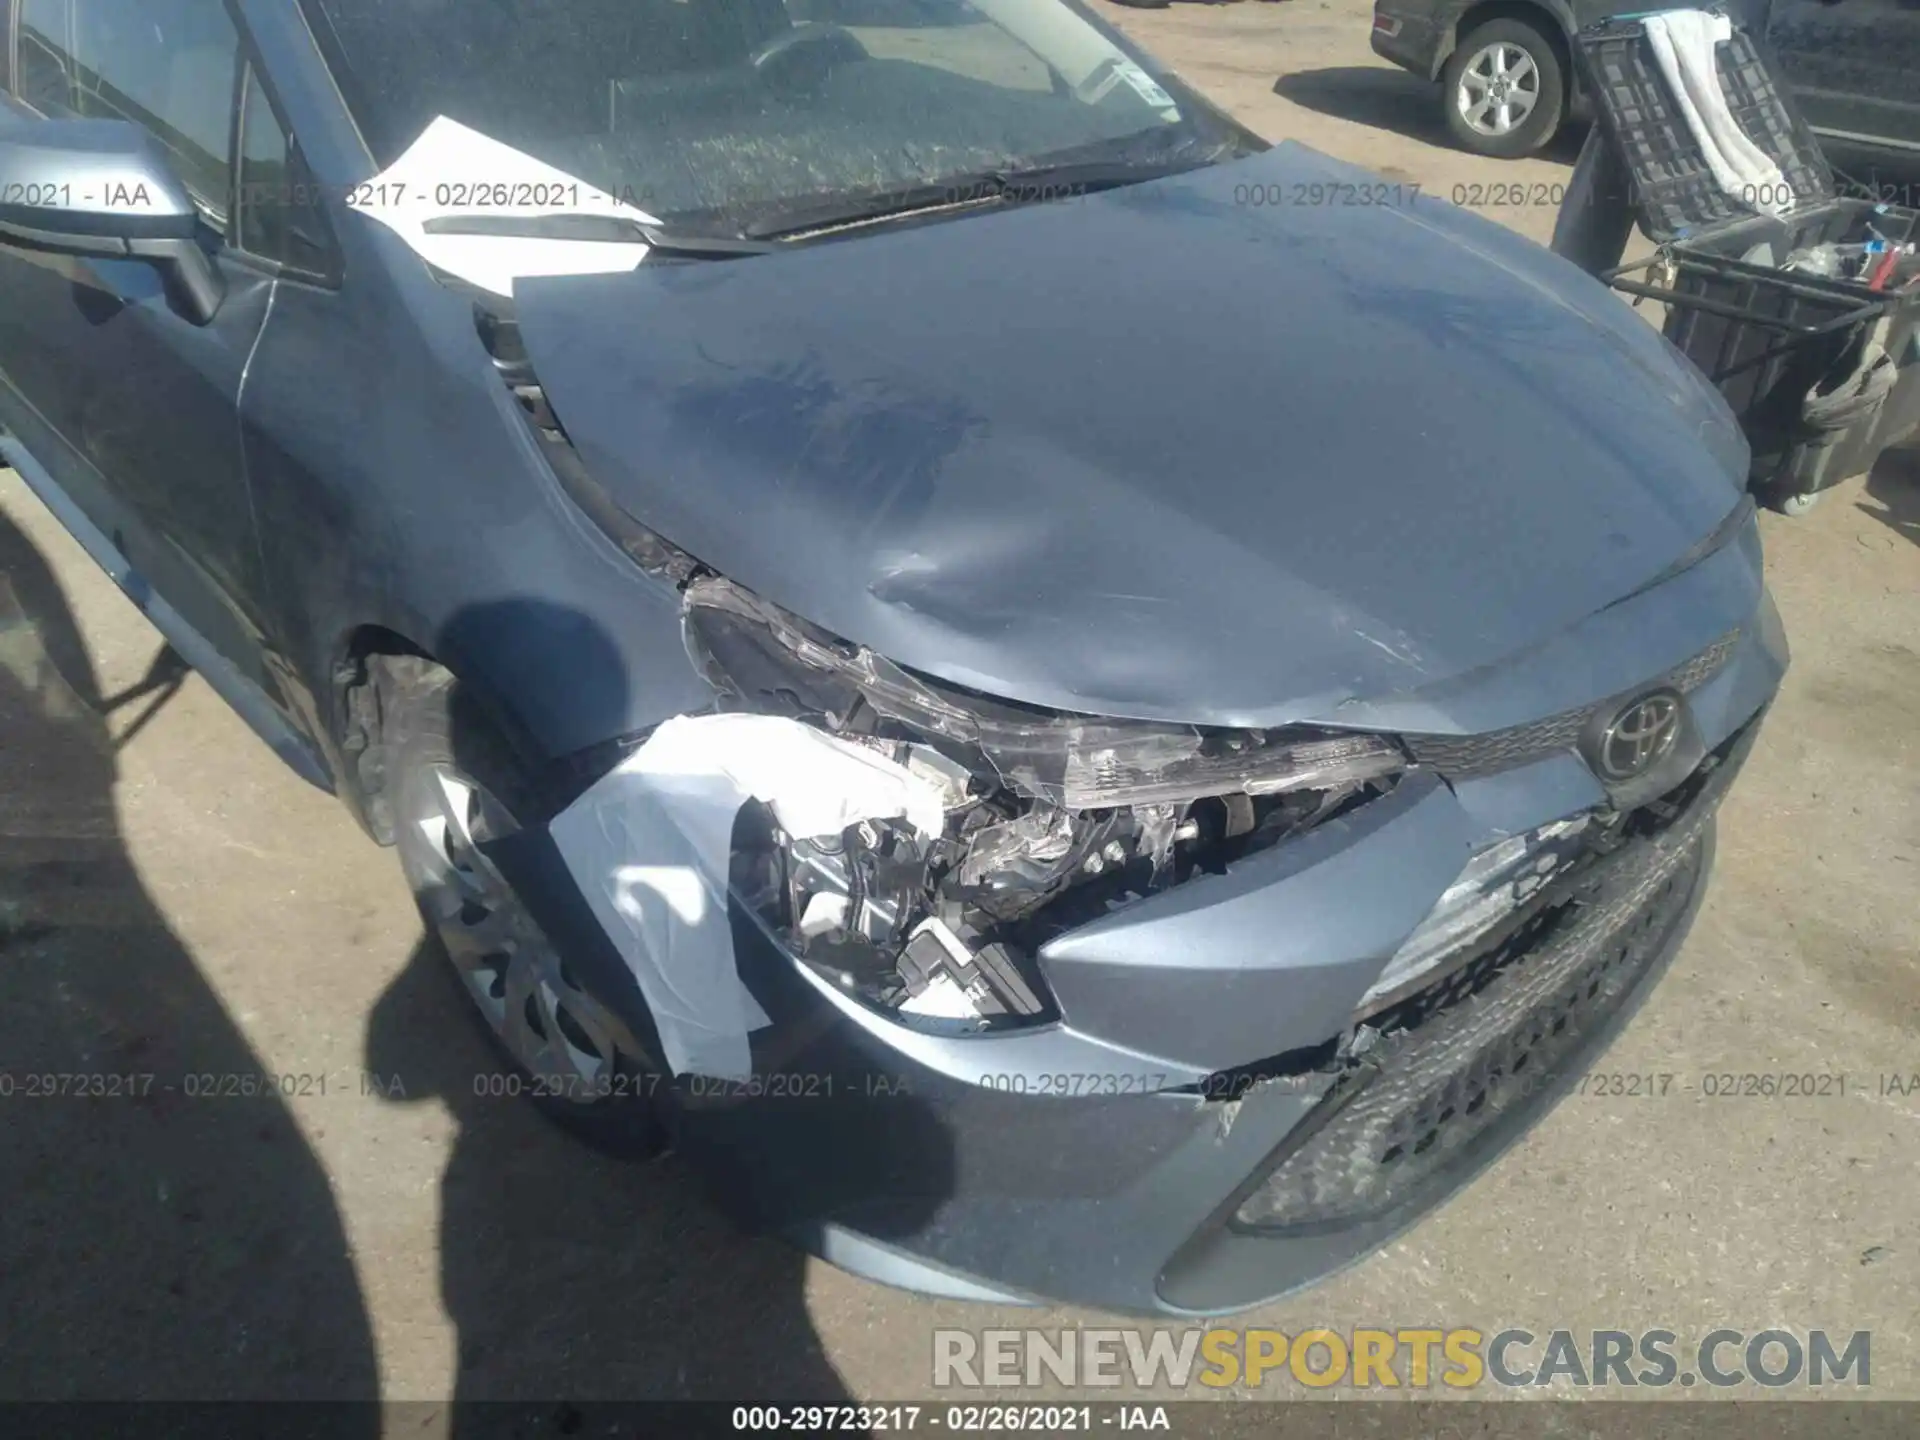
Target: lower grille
x=1491, y=1036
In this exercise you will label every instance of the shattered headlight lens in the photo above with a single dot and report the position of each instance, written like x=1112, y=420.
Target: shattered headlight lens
x=1495, y=883
x=1049, y=820
x=1073, y=762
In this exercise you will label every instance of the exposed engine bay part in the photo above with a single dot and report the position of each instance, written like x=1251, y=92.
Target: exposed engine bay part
x=649, y=844
x=1050, y=820
x=944, y=977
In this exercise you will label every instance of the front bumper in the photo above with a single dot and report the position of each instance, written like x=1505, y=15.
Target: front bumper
x=1098, y=1173
x=1218, y=1196
x=1186, y=1138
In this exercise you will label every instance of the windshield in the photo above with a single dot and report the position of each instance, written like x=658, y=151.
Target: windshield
x=734, y=112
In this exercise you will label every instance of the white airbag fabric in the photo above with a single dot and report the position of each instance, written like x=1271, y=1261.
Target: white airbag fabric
x=1683, y=45
x=649, y=846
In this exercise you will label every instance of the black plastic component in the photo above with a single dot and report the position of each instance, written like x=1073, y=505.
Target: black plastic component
x=997, y=968
x=989, y=976
x=1775, y=341
x=1453, y=1061
x=1771, y=339
x=1674, y=191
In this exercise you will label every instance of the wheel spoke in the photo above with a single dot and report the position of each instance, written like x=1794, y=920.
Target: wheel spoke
x=527, y=1046
x=455, y=801
x=469, y=941
x=506, y=963
x=591, y=1018
x=570, y=1058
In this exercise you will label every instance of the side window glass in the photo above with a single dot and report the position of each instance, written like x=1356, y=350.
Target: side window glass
x=45, y=76
x=168, y=66
x=279, y=216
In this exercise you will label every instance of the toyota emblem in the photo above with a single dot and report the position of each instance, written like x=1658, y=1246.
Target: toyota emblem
x=1639, y=737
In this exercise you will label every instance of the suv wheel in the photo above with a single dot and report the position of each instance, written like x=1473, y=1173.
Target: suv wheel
x=1506, y=89
x=454, y=785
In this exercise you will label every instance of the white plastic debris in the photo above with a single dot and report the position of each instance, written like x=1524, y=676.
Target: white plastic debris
x=825, y=911
x=649, y=845
x=454, y=170
x=943, y=998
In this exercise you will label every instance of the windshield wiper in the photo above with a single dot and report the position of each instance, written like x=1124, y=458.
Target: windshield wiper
x=1011, y=186
x=610, y=229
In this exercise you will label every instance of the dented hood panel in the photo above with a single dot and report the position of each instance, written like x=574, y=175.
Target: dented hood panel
x=1161, y=452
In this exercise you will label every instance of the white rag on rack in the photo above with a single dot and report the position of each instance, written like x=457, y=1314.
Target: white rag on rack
x=1683, y=43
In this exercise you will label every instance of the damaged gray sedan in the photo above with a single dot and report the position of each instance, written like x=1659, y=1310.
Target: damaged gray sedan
x=1071, y=705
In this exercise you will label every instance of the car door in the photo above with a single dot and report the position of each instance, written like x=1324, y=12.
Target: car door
x=1854, y=67
x=129, y=407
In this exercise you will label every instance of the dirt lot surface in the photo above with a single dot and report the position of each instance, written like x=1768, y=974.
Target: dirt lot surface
x=172, y=901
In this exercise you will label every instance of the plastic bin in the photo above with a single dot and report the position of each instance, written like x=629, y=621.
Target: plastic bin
x=1785, y=348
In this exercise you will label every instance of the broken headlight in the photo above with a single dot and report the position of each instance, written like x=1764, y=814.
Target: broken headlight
x=768, y=658
x=1495, y=884
x=1050, y=819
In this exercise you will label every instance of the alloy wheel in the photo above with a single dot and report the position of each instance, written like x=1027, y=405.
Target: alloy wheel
x=1498, y=90
x=552, y=1028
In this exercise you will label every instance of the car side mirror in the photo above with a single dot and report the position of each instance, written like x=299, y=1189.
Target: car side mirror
x=103, y=189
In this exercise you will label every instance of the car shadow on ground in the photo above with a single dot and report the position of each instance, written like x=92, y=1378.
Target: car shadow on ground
x=576, y=1279
x=168, y=1233
x=1392, y=99
x=1893, y=490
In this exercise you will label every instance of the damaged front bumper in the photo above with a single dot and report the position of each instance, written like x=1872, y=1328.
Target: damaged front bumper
x=1135, y=1190
x=1221, y=1104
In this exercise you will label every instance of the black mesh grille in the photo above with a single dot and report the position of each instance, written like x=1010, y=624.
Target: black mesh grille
x=1498, y=1038
x=1461, y=757
x=1494, y=1035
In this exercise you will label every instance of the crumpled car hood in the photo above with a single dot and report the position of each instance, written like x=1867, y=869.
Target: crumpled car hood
x=1162, y=452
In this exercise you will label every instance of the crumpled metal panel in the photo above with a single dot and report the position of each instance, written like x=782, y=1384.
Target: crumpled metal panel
x=1161, y=452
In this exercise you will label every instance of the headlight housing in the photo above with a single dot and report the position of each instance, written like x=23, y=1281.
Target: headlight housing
x=1496, y=883
x=1051, y=819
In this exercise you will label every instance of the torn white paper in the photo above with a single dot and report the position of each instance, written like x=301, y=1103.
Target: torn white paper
x=455, y=170
x=649, y=845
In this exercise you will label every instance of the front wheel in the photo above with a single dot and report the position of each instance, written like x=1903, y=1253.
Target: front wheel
x=1797, y=504
x=1506, y=90
x=455, y=786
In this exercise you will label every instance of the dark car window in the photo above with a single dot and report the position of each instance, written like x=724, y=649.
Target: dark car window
x=278, y=215
x=736, y=108
x=167, y=65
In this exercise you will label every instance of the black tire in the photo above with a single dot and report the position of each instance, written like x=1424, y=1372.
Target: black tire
x=428, y=726
x=1549, y=111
